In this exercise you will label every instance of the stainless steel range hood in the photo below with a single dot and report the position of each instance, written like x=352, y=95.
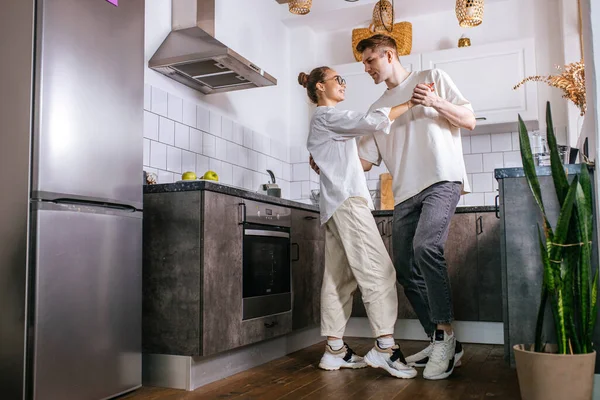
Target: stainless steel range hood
x=191, y=55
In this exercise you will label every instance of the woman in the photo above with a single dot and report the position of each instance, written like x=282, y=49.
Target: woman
x=354, y=251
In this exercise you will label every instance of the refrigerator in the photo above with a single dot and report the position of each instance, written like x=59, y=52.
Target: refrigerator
x=71, y=134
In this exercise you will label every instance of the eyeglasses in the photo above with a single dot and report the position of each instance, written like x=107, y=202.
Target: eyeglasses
x=338, y=78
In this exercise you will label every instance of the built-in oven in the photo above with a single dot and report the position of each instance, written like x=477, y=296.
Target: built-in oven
x=267, y=277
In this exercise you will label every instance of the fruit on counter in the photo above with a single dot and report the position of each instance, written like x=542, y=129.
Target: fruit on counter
x=210, y=176
x=189, y=176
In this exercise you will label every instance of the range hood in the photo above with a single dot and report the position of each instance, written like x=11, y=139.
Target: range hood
x=191, y=55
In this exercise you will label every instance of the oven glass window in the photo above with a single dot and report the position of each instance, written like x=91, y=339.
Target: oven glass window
x=266, y=265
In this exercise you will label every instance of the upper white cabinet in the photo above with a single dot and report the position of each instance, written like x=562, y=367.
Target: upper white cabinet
x=486, y=75
x=361, y=91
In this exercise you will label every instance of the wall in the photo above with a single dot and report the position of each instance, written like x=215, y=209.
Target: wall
x=503, y=20
x=237, y=134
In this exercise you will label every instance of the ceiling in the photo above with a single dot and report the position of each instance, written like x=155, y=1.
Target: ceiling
x=338, y=14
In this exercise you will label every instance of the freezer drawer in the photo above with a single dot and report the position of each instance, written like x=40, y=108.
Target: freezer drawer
x=87, y=305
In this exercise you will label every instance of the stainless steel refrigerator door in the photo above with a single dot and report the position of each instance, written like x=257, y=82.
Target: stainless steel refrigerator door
x=89, y=118
x=88, y=296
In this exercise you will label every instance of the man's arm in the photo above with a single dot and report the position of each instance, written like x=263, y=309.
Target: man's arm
x=367, y=165
x=457, y=115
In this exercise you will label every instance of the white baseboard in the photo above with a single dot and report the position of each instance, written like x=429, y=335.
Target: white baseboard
x=189, y=373
x=411, y=329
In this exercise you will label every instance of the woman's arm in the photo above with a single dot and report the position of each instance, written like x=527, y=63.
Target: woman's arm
x=353, y=124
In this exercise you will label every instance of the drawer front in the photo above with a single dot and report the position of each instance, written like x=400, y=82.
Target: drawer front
x=259, y=329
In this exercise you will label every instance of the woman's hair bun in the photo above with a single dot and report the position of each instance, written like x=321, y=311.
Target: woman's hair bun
x=303, y=79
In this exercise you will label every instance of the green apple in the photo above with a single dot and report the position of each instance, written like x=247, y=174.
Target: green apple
x=211, y=176
x=189, y=176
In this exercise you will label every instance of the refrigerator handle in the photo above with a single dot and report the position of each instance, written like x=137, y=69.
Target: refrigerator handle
x=91, y=203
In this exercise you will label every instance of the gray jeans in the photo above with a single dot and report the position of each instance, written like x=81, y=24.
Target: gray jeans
x=420, y=230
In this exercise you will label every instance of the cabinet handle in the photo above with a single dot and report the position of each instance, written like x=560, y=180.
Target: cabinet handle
x=480, y=119
x=310, y=218
x=270, y=324
x=390, y=230
x=381, y=230
x=297, y=252
x=479, y=225
x=497, y=204
x=242, y=213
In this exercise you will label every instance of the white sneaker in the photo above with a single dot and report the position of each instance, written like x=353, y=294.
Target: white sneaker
x=443, y=356
x=333, y=360
x=419, y=360
x=392, y=360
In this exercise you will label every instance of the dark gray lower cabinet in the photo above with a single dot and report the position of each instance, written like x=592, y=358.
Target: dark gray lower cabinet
x=473, y=255
x=192, y=277
x=308, y=262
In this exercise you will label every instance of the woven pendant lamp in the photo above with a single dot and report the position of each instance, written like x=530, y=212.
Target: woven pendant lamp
x=300, y=7
x=469, y=12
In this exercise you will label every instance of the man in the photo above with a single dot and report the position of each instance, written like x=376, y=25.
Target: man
x=424, y=156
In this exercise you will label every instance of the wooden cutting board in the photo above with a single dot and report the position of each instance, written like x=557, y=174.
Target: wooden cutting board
x=387, y=196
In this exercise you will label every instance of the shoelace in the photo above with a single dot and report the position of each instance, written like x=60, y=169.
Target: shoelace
x=440, y=349
x=349, y=353
x=397, y=355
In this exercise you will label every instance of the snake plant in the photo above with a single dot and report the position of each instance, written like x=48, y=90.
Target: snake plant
x=566, y=250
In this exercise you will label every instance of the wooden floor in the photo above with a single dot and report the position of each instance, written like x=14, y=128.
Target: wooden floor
x=483, y=375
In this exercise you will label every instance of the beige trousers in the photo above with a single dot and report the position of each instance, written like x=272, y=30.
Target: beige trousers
x=356, y=256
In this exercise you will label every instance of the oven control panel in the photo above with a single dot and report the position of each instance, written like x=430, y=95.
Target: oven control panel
x=267, y=214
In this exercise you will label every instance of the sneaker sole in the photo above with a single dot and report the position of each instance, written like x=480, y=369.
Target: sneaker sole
x=417, y=365
x=395, y=373
x=445, y=374
x=348, y=366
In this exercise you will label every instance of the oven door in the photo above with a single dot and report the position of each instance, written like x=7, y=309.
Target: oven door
x=267, y=271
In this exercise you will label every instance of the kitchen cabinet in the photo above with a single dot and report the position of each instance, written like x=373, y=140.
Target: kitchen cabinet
x=474, y=267
x=192, y=277
x=485, y=75
x=308, y=263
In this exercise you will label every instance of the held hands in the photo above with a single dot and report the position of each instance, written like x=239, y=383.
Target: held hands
x=424, y=95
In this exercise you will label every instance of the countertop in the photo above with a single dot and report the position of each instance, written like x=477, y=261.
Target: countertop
x=502, y=173
x=250, y=195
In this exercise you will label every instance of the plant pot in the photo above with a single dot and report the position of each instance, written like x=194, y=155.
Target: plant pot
x=548, y=376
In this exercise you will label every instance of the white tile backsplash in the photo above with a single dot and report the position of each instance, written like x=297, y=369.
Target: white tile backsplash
x=215, y=123
x=512, y=159
x=166, y=131
x=262, y=163
x=188, y=161
x=490, y=198
x=165, y=177
x=238, y=176
x=482, y=182
x=189, y=114
x=474, y=199
x=182, y=136
x=146, y=151
x=214, y=165
x=473, y=163
x=296, y=190
x=481, y=144
x=175, y=108
x=248, y=179
x=196, y=141
x=300, y=172
x=252, y=159
x=306, y=190
x=209, y=145
x=516, y=144
x=147, y=97
x=159, y=102
x=492, y=161
x=158, y=155
x=150, y=125
x=221, y=149
x=173, y=159
x=501, y=142
x=226, y=175
x=202, y=119
x=247, y=137
x=227, y=129
x=202, y=164
x=238, y=133
x=232, y=154
x=466, y=144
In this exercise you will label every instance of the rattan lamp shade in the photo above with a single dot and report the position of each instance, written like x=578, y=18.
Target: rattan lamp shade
x=469, y=12
x=300, y=7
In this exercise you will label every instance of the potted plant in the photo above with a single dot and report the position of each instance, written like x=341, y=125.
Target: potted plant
x=564, y=370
